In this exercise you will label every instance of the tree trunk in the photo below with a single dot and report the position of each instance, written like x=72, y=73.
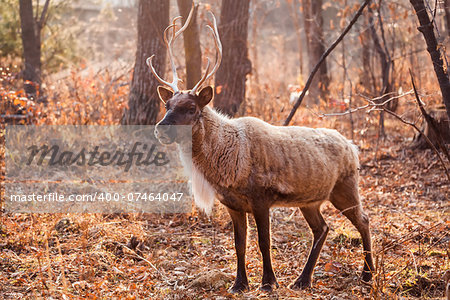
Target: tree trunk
x=427, y=29
x=365, y=77
x=313, y=20
x=193, y=53
x=31, y=40
x=293, y=11
x=143, y=102
x=307, y=22
x=231, y=76
x=385, y=60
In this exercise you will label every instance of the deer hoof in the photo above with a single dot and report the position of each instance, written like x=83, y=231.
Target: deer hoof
x=268, y=287
x=300, y=285
x=238, y=288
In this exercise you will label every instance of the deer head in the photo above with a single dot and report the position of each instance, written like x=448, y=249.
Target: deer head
x=183, y=107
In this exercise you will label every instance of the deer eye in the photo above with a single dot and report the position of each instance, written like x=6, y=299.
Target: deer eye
x=192, y=110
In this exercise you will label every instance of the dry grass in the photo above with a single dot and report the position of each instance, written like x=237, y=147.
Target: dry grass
x=190, y=256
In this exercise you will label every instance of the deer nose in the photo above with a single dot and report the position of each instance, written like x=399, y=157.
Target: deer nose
x=166, y=134
x=163, y=128
x=160, y=130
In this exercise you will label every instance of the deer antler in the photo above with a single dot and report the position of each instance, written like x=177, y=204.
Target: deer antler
x=168, y=40
x=218, y=45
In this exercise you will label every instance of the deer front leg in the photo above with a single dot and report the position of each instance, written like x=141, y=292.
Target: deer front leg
x=240, y=242
x=263, y=225
x=320, y=230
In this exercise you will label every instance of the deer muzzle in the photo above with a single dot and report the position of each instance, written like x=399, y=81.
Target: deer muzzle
x=166, y=134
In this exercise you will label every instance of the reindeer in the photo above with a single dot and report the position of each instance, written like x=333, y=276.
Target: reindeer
x=251, y=166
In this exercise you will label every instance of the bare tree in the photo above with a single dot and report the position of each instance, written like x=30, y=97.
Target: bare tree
x=231, y=76
x=313, y=21
x=143, y=102
x=193, y=53
x=427, y=29
x=31, y=26
x=386, y=63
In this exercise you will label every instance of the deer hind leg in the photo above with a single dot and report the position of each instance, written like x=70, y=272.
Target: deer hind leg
x=345, y=197
x=262, y=220
x=240, y=241
x=320, y=230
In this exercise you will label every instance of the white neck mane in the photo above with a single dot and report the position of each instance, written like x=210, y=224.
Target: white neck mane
x=204, y=193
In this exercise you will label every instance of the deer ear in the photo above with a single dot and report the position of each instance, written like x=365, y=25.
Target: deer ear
x=164, y=94
x=205, y=96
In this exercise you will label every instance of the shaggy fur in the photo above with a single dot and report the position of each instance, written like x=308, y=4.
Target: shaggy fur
x=247, y=157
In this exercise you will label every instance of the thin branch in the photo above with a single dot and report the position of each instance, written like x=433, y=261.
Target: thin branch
x=322, y=59
x=372, y=105
x=376, y=99
x=433, y=13
x=43, y=14
x=435, y=10
x=37, y=11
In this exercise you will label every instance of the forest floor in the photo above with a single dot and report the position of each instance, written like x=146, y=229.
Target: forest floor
x=191, y=256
